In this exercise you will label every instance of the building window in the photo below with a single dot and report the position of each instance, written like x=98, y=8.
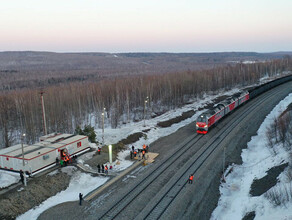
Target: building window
x=79, y=144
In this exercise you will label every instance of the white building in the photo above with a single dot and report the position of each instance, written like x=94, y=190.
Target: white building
x=43, y=154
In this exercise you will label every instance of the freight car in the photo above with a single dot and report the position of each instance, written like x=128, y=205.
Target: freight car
x=209, y=118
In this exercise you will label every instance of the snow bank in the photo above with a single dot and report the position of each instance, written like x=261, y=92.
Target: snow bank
x=235, y=201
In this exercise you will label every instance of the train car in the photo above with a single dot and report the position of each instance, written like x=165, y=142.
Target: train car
x=209, y=118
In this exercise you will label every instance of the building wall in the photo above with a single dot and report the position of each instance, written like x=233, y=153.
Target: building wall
x=43, y=160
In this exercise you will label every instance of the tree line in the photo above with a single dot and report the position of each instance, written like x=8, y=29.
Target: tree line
x=123, y=98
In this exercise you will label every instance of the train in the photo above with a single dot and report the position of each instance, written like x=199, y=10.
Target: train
x=211, y=117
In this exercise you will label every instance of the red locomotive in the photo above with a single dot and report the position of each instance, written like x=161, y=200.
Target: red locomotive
x=212, y=116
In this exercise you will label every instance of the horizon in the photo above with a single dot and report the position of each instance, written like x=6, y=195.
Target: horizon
x=150, y=52
x=128, y=26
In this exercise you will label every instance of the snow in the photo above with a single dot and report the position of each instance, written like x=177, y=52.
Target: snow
x=235, y=201
x=80, y=183
x=7, y=178
x=85, y=183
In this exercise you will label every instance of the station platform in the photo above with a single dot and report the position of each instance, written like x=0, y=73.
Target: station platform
x=117, y=176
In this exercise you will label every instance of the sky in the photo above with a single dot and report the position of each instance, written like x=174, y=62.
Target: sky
x=146, y=26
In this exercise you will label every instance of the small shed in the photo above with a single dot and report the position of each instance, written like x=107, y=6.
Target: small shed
x=42, y=154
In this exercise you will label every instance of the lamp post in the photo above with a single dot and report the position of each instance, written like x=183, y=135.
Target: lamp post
x=110, y=153
x=223, y=168
x=103, y=126
x=145, y=102
x=23, y=163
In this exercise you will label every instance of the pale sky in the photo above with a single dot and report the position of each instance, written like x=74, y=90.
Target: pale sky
x=146, y=26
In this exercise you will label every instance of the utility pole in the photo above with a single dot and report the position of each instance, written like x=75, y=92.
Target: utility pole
x=23, y=163
x=103, y=111
x=44, y=113
x=145, y=102
x=223, y=167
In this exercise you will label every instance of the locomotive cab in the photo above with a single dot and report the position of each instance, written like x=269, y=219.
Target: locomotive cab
x=202, y=124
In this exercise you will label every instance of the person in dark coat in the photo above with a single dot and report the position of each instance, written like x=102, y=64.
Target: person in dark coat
x=80, y=198
x=98, y=168
x=133, y=148
x=21, y=176
x=102, y=168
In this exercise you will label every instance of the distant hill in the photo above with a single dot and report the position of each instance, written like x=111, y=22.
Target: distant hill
x=37, y=69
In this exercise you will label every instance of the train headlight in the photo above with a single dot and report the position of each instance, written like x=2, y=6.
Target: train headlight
x=197, y=125
x=205, y=126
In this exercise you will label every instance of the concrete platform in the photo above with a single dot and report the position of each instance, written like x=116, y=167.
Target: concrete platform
x=93, y=171
x=149, y=159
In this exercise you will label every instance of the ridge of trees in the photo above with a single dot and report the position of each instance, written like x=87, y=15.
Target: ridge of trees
x=79, y=103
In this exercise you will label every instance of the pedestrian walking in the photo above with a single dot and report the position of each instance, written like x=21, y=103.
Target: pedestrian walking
x=143, y=154
x=21, y=177
x=99, y=150
x=80, y=198
x=133, y=148
x=191, y=177
x=98, y=168
x=102, y=168
x=106, y=169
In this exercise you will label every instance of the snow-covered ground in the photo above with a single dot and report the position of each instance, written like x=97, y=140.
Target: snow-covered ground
x=113, y=136
x=258, y=158
x=80, y=180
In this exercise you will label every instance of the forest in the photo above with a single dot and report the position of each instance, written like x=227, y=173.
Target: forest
x=80, y=103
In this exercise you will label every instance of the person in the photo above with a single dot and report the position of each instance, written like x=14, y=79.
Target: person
x=80, y=198
x=143, y=154
x=135, y=154
x=57, y=161
x=28, y=173
x=133, y=148
x=98, y=150
x=106, y=169
x=21, y=176
x=131, y=154
x=191, y=177
x=98, y=168
x=61, y=162
x=102, y=168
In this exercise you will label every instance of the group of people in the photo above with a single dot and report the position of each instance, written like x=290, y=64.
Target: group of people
x=139, y=152
x=64, y=161
x=102, y=168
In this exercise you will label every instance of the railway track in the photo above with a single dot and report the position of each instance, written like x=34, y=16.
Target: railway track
x=160, y=203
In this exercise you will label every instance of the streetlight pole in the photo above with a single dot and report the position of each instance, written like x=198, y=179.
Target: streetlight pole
x=223, y=167
x=145, y=102
x=23, y=163
x=103, y=126
x=110, y=154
